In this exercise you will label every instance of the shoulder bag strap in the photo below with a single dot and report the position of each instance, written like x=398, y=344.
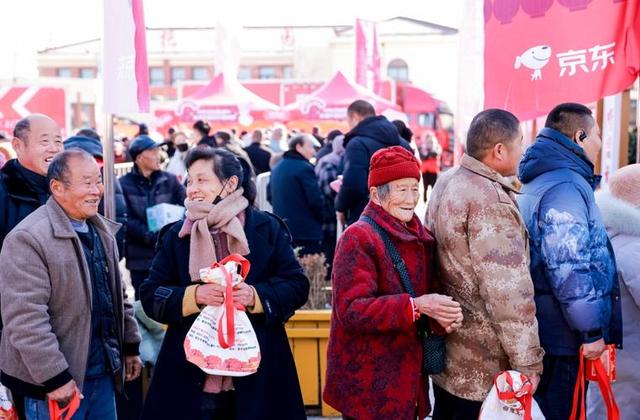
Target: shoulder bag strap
x=398, y=263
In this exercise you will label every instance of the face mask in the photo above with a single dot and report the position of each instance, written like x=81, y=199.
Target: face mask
x=183, y=147
x=218, y=198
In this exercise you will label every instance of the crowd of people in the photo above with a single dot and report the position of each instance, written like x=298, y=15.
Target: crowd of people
x=517, y=264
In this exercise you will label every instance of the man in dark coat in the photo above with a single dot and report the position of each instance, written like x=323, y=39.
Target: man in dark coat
x=145, y=186
x=93, y=146
x=368, y=135
x=282, y=287
x=296, y=196
x=259, y=155
x=23, y=181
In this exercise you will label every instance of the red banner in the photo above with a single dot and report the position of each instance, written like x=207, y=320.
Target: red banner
x=539, y=53
x=17, y=102
x=367, y=55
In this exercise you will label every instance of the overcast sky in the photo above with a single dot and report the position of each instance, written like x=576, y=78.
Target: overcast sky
x=30, y=25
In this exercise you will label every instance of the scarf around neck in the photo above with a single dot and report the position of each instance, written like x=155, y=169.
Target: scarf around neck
x=201, y=218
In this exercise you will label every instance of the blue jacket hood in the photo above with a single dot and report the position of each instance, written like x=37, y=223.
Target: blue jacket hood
x=378, y=128
x=553, y=150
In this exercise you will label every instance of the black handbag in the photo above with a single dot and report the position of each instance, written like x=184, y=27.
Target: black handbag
x=433, y=346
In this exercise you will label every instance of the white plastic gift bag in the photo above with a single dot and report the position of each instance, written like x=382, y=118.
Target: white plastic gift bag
x=7, y=410
x=221, y=340
x=510, y=398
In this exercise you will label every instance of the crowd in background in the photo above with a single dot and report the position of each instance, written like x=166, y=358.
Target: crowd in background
x=516, y=265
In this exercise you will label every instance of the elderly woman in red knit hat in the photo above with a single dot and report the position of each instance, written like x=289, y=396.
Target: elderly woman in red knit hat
x=375, y=355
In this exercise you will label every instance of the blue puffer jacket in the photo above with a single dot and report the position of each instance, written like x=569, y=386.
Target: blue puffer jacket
x=572, y=261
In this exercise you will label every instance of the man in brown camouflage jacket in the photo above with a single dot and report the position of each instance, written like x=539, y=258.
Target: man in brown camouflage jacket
x=483, y=253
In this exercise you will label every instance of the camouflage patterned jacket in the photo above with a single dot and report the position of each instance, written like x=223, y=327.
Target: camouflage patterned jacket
x=484, y=258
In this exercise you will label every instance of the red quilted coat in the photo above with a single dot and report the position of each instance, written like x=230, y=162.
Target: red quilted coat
x=374, y=356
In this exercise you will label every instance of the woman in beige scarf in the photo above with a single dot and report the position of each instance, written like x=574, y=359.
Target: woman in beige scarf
x=221, y=220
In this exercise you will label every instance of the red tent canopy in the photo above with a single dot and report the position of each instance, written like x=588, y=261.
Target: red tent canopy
x=418, y=100
x=331, y=100
x=225, y=100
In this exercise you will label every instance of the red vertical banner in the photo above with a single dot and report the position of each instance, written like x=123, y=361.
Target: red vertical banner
x=539, y=53
x=367, y=55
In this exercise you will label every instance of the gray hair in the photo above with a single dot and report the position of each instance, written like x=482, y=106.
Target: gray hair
x=60, y=165
x=299, y=140
x=22, y=129
x=383, y=191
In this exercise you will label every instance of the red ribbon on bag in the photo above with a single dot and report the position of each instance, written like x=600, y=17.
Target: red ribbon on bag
x=229, y=307
x=523, y=395
x=604, y=383
x=57, y=413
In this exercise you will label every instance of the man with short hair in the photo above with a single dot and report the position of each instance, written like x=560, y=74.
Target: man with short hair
x=67, y=326
x=23, y=181
x=296, y=196
x=369, y=133
x=483, y=256
x=572, y=262
x=93, y=146
x=259, y=155
x=145, y=186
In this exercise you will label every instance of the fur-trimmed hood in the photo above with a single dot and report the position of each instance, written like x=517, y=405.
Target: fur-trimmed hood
x=619, y=216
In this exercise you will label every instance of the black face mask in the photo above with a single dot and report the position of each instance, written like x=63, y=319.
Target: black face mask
x=218, y=198
x=183, y=147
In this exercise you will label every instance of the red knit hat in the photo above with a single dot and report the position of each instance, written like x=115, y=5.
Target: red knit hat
x=392, y=163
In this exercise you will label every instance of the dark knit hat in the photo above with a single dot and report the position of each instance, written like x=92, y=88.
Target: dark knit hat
x=392, y=163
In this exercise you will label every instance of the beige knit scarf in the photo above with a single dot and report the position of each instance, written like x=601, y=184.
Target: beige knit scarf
x=201, y=218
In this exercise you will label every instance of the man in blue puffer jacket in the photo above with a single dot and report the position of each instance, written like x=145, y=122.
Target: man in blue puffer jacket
x=572, y=262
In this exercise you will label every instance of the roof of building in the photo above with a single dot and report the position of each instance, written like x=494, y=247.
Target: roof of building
x=254, y=38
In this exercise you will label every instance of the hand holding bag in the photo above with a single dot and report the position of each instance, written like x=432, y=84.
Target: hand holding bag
x=65, y=413
x=433, y=346
x=510, y=398
x=222, y=340
x=603, y=377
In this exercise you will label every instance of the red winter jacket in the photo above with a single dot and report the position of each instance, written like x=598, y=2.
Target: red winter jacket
x=374, y=355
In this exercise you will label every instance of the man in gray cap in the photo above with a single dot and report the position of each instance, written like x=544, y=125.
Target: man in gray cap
x=144, y=187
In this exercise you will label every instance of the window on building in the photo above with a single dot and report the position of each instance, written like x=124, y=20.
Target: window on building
x=63, y=72
x=287, y=72
x=398, y=70
x=200, y=73
x=267, y=72
x=178, y=74
x=244, y=73
x=87, y=73
x=156, y=76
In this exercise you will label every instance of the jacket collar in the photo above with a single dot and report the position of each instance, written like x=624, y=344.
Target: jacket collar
x=24, y=184
x=293, y=154
x=570, y=150
x=62, y=226
x=156, y=176
x=412, y=231
x=483, y=170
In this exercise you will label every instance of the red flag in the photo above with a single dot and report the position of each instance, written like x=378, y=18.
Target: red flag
x=539, y=53
x=367, y=55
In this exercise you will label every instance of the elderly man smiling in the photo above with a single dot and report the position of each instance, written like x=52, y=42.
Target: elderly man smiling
x=67, y=327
